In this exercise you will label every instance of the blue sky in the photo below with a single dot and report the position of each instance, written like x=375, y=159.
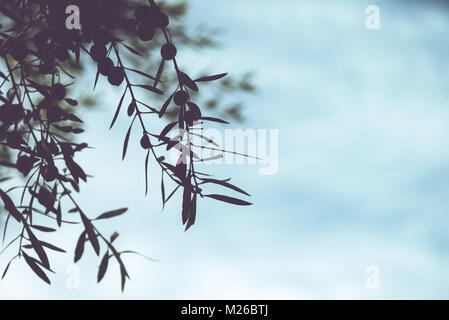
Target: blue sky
x=363, y=177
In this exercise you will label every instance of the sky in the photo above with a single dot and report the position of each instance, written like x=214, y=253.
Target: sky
x=363, y=171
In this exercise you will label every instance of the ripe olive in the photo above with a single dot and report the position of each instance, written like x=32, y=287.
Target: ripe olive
x=105, y=66
x=98, y=52
x=158, y=18
x=116, y=76
x=45, y=197
x=49, y=173
x=190, y=117
x=181, y=97
x=145, y=142
x=146, y=31
x=168, y=51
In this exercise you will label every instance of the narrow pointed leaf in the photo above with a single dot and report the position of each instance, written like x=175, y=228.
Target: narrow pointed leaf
x=37, y=246
x=159, y=73
x=111, y=214
x=103, y=267
x=167, y=129
x=91, y=234
x=149, y=88
x=227, y=199
x=79, y=250
x=6, y=269
x=185, y=79
x=36, y=269
x=125, y=144
x=165, y=106
x=118, y=110
x=214, y=120
x=227, y=185
x=146, y=172
x=211, y=78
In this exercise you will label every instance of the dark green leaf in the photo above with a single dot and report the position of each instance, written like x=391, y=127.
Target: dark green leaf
x=192, y=214
x=132, y=50
x=150, y=88
x=167, y=129
x=226, y=184
x=165, y=106
x=211, y=78
x=159, y=73
x=91, y=234
x=79, y=250
x=111, y=214
x=185, y=79
x=228, y=199
x=59, y=215
x=6, y=269
x=36, y=269
x=118, y=110
x=37, y=246
x=163, y=189
x=103, y=267
x=10, y=206
x=125, y=144
x=42, y=228
x=146, y=172
x=141, y=73
x=52, y=247
x=214, y=120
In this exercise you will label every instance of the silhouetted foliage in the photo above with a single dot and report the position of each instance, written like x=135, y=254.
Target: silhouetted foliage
x=38, y=116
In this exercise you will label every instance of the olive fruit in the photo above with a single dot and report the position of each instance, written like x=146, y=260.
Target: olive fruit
x=145, y=142
x=131, y=108
x=49, y=173
x=116, y=76
x=168, y=51
x=105, y=66
x=158, y=18
x=195, y=109
x=24, y=164
x=45, y=197
x=190, y=117
x=146, y=31
x=58, y=91
x=98, y=52
x=181, y=98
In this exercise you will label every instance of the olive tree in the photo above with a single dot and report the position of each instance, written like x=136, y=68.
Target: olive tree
x=45, y=45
